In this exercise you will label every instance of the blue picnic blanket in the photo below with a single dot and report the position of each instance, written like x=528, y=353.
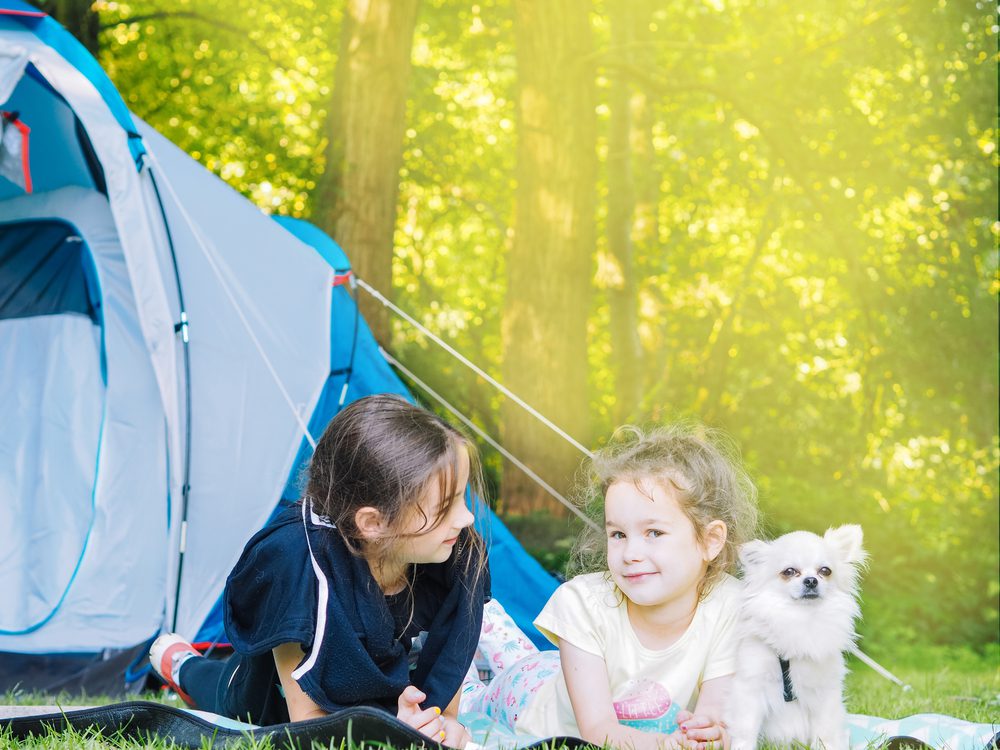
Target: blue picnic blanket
x=937, y=730
x=867, y=732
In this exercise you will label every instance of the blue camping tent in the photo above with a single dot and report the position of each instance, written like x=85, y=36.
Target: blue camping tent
x=164, y=347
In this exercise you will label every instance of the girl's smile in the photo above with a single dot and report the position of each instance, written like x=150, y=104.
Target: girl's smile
x=639, y=577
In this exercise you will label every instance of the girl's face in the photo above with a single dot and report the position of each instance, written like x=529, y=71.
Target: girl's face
x=654, y=553
x=422, y=541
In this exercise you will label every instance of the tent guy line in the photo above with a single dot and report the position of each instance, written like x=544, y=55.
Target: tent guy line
x=864, y=658
x=485, y=436
x=476, y=369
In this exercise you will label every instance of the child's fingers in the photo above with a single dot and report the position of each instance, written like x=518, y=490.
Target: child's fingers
x=427, y=721
x=410, y=699
x=430, y=722
x=694, y=722
x=701, y=735
x=682, y=716
x=711, y=733
x=456, y=735
x=681, y=741
x=690, y=744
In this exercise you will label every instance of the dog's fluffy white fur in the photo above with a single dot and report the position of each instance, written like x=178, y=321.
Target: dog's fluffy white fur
x=800, y=603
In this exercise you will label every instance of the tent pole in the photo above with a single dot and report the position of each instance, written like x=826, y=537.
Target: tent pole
x=181, y=328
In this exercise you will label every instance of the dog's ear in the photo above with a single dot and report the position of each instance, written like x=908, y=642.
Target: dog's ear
x=847, y=541
x=753, y=552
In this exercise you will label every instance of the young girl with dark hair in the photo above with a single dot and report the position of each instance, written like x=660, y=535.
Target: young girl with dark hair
x=370, y=591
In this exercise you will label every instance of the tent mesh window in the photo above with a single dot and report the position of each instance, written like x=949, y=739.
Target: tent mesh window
x=44, y=271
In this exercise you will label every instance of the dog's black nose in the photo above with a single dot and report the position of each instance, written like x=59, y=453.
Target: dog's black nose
x=810, y=582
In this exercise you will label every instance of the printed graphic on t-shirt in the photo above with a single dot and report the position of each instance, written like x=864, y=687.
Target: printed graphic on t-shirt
x=646, y=706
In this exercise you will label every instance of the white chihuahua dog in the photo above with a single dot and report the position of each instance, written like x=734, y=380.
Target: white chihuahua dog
x=799, y=608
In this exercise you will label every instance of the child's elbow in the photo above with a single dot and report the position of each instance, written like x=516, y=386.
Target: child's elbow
x=599, y=733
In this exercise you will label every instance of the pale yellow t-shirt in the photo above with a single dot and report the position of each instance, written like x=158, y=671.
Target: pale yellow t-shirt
x=648, y=687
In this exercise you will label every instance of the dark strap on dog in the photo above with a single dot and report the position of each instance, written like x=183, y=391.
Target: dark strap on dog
x=786, y=680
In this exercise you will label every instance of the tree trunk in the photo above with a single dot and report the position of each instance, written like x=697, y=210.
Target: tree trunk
x=79, y=19
x=549, y=268
x=621, y=285
x=356, y=197
x=646, y=178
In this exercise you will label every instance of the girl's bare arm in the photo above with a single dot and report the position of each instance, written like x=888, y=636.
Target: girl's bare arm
x=590, y=693
x=287, y=657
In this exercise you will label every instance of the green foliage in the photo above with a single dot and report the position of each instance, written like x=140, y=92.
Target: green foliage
x=456, y=198
x=548, y=538
x=822, y=281
x=242, y=87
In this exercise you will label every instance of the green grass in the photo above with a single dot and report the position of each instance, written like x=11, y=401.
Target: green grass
x=955, y=690
x=958, y=684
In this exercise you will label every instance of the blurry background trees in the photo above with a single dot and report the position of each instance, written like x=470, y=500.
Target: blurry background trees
x=547, y=299
x=779, y=218
x=357, y=193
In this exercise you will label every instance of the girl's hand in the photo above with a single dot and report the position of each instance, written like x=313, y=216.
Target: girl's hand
x=701, y=732
x=672, y=741
x=427, y=721
x=456, y=735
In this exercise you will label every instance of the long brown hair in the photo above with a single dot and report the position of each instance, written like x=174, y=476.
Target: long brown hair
x=382, y=451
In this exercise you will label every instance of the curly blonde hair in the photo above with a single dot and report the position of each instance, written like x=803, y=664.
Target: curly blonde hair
x=702, y=468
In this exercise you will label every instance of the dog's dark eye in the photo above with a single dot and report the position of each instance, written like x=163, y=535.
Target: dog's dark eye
x=789, y=573
x=825, y=572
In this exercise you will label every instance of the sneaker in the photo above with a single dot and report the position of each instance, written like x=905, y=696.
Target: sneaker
x=167, y=654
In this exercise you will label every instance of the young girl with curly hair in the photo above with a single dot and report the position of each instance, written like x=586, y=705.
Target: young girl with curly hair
x=646, y=632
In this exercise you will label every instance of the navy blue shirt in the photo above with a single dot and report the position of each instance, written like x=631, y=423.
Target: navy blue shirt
x=296, y=582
